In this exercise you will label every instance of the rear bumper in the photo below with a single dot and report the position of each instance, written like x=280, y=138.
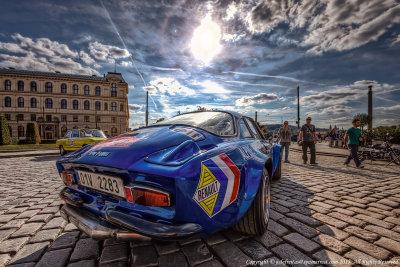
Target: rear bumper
x=123, y=226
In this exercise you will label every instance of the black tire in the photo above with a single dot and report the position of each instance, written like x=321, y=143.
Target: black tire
x=395, y=158
x=361, y=156
x=278, y=172
x=62, y=151
x=255, y=221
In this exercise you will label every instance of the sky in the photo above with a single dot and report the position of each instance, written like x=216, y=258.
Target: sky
x=245, y=56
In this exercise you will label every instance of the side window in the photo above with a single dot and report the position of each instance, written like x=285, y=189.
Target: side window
x=253, y=129
x=244, y=131
x=68, y=135
x=75, y=134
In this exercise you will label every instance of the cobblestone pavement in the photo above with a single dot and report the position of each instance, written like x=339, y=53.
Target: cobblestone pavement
x=327, y=212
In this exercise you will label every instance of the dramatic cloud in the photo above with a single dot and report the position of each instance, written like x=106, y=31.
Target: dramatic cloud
x=135, y=107
x=107, y=52
x=169, y=86
x=257, y=99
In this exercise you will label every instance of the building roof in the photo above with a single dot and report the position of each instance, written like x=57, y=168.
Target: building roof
x=63, y=75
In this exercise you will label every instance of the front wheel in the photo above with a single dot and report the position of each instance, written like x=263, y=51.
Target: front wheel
x=255, y=221
x=395, y=158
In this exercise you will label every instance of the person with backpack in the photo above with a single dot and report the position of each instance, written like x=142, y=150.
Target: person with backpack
x=308, y=139
x=352, y=140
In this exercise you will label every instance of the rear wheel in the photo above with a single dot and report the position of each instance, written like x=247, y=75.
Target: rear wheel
x=395, y=158
x=255, y=221
x=62, y=151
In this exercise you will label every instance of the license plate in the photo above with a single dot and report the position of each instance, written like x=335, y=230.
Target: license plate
x=104, y=183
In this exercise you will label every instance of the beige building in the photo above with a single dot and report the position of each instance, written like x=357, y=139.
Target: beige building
x=59, y=102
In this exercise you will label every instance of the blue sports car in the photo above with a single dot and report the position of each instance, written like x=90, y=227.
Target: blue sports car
x=191, y=175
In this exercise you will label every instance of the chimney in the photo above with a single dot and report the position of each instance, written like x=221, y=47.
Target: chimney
x=370, y=107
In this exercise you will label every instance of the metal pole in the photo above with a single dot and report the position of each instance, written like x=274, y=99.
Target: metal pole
x=147, y=108
x=256, y=117
x=298, y=107
x=95, y=115
x=370, y=107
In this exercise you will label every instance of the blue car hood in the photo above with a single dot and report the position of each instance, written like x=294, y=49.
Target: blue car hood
x=124, y=150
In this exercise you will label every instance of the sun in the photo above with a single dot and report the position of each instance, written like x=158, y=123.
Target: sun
x=205, y=42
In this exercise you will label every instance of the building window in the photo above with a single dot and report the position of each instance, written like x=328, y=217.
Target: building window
x=20, y=117
x=75, y=104
x=63, y=130
x=33, y=87
x=8, y=117
x=86, y=118
x=105, y=106
x=63, y=104
x=48, y=118
x=21, y=131
x=113, y=106
x=63, y=88
x=113, y=89
x=20, y=86
x=63, y=117
x=113, y=119
x=86, y=105
x=121, y=107
x=86, y=90
x=75, y=88
x=7, y=85
x=7, y=101
x=20, y=102
x=75, y=118
x=48, y=87
x=97, y=105
x=98, y=90
x=113, y=131
x=33, y=102
x=49, y=103
x=33, y=117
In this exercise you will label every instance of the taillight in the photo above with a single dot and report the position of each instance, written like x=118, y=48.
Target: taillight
x=147, y=196
x=67, y=177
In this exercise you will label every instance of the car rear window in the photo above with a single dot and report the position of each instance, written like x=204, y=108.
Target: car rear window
x=218, y=123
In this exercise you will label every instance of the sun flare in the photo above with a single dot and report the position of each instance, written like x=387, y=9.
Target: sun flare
x=205, y=42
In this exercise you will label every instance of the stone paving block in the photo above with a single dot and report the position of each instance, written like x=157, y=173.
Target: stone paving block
x=213, y=263
x=115, y=264
x=274, y=215
x=279, y=208
x=368, y=248
x=26, y=264
x=13, y=245
x=45, y=235
x=392, y=220
x=362, y=259
x=41, y=218
x=301, y=242
x=390, y=203
x=65, y=240
x=330, y=220
x=189, y=241
x=113, y=242
x=396, y=228
x=268, y=239
x=276, y=228
x=55, y=258
x=318, y=209
x=85, y=249
x=348, y=219
x=332, y=243
x=331, y=259
x=84, y=263
x=233, y=235
x=361, y=233
x=344, y=211
x=366, y=212
x=333, y=232
x=15, y=223
x=356, y=199
x=389, y=244
x=5, y=218
x=145, y=256
x=16, y=210
x=380, y=206
x=230, y=254
x=303, y=229
x=27, y=214
x=304, y=219
x=70, y=227
x=30, y=253
x=384, y=232
x=289, y=253
x=214, y=239
x=381, y=211
x=27, y=229
x=377, y=222
x=197, y=253
x=323, y=205
x=50, y=210
x=115, y=253
x=4, y=234
x=172, y=260
x=253, y=249
x=165, y=247
x=354, y=204
x=58, y=222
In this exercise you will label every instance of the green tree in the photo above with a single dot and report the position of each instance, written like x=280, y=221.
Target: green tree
x=32, y=133
x=5, y=137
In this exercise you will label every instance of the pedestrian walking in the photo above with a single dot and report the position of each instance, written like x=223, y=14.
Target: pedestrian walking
x=308, y=139
x=332, y=135
x=351, y=141
x=284, y=135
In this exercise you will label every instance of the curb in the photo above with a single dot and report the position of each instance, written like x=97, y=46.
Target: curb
x=29, y=155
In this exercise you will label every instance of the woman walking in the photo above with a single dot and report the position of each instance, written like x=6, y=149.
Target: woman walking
x=285, y=135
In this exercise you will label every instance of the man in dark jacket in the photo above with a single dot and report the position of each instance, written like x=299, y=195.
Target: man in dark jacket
x=308, y=139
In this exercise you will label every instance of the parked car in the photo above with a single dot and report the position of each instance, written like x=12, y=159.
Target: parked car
x=191, y=175
x=77, y=138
